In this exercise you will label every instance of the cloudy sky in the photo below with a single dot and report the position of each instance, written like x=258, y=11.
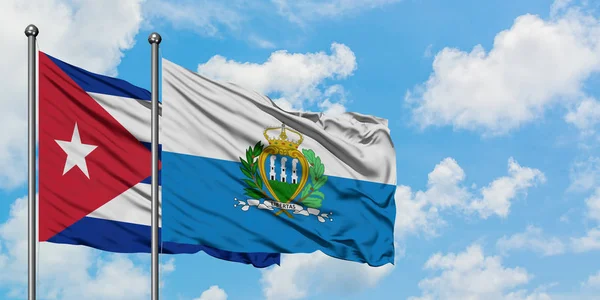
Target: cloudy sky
x=492, y=107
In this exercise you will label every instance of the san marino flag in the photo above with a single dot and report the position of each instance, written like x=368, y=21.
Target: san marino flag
x=241, y=174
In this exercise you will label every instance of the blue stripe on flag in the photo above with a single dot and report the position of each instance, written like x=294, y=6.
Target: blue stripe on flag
x=198, y=207
x=124, y=237
x=95, y=83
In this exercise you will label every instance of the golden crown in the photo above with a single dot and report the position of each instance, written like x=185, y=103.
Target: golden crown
x=282, y=140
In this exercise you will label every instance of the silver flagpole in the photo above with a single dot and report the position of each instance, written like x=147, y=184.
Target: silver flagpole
x=154, y=39
x=31, y=32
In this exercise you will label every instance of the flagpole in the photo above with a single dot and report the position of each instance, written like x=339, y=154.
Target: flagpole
x=154, y=39
x=31, y=32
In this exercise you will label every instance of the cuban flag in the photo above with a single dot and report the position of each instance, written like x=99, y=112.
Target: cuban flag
x=95, y=165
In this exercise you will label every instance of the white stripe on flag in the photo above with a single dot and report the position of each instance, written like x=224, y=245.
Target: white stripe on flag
x=218, y=120
x=133, y=114
x=132, y=206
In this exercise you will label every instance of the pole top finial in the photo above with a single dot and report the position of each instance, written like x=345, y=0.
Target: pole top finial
x=31, y=30
x=154, y=38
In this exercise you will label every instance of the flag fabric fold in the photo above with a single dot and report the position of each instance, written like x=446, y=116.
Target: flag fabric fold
x=94, y=165
x=241, y=174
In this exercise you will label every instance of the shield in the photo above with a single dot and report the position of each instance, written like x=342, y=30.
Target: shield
x=284, y=171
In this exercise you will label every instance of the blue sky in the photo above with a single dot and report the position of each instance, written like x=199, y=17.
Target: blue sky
x=491, y=104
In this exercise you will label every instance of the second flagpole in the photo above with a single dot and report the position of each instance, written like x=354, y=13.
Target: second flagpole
x=154, y=39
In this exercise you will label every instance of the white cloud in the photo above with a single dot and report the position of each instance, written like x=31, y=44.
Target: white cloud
x=420, y=211
x=428, y=51
x=533, y=65
x=296, y=79
x=70, y=30
x=532, y=239
x=443, y=185
x=525, y=295
x=261, y=42
x=496, y=197
x=585, y=116
x=559, y=6
x=585, y=174
x=303, y=275
x=168, y=266
x=593, y=206
x=332, y=109
x=213, y=293
x=415, y=214
x=472, y=275
x=589, y=242
x=334, y=101
x=302, y=11
x=593, y=281
x=216, y=18
x=66, y=271
x=204, y=17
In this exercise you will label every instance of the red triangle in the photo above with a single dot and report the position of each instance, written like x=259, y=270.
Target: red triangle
x=118, y=163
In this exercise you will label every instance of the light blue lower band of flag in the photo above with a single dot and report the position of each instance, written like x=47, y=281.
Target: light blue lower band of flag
x=198, y=208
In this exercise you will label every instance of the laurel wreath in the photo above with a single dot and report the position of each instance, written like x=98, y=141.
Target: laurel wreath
x=249, y=167
x=310, y=195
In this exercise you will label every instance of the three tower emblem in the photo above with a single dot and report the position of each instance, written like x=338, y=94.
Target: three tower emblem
x=272, y=185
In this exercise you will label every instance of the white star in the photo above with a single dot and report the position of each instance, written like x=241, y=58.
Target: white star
x=76, y=152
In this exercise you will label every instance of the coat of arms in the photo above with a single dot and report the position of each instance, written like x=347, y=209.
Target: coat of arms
x=272, y=185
